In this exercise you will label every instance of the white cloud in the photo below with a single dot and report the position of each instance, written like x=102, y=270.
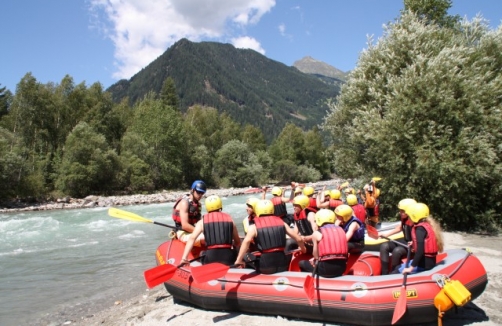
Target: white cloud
x=246, y=42
x=142, y=30
x=282, y=29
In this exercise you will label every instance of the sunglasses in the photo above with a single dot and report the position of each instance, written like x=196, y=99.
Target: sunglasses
x=200, y=192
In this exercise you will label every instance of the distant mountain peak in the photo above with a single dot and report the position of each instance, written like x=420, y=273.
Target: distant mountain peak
x=313, y=66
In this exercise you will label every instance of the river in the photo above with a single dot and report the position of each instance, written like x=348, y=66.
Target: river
x=55, y=261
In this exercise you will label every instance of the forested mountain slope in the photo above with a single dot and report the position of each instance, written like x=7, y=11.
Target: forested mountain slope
x=243, y=83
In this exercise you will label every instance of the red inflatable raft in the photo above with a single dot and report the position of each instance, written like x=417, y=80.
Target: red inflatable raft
x=361, y=297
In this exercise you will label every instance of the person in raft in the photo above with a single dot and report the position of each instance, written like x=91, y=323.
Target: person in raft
x=269, y=235
x=427, y=239
x=250, y=204
x=330, y=247
x=357, y=208
x=219, y=230
x=398, y=252
x=279, y=202
x=304, y=217
x=187, y=212
x=354, y=229
x=329, y=199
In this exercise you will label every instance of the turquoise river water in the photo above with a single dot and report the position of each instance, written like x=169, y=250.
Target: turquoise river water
x=53, y=262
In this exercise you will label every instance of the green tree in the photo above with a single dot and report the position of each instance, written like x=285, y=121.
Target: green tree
x=168, y=94
x=432, y=11
x=207, y=128
x=88, y=165
x=160, y=127
x=5, y=101
x=253, y=136
x=236, y=166
x=423, y=110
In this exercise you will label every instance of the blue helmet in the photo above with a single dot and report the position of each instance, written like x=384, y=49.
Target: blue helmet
x=199, y=185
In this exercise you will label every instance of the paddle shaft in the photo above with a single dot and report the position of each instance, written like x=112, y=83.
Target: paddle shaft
x=396, y=242
x=401, y=302
x=167, y=226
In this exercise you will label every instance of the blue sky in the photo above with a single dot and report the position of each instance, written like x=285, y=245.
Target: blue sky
x=107, y=40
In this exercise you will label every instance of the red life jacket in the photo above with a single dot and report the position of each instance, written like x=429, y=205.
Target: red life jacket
x=302, y=223
x=430, y=245
x=334, y=203
x=359, y=212
x=194, y=209
x=313, y=205
x=218, y=230
x=279, y=206
x=333, y=244
x=271, y=234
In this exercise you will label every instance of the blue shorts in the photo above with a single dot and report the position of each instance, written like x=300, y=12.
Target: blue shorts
x=415, y=270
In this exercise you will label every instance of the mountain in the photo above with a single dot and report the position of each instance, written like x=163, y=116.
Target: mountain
x=248, y=86
x=321, y=69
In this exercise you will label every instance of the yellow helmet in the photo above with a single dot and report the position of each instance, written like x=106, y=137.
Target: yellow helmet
x=336, y=194
x=302, y=201
x=308, y=191
x=298, y=190
x=251, y=202
x=264, y=207
x=417, y=211
x=276, y=191
x=350, y=190
x=213, y=203
x=324, y=216
x=377, y=193
x=403, y=203
x=352, y=200
x=345, y=211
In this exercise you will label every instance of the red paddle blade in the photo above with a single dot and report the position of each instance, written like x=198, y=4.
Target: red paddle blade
x=158, y=275
x=372, y=232
x=308, y=287
x=401, y=304
x=209, y=272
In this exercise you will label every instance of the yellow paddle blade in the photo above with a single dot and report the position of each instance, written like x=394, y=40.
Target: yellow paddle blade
x=115, y=212
x=376, y=179
x=345, y=184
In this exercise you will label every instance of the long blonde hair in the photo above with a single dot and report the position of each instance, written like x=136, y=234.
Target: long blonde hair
x=437, y=231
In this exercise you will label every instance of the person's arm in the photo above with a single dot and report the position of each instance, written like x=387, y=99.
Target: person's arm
x=294, y=235
x=320, y=197
x=350, y=232
x=185, y=225
x=236, y=237
x=395, y=230
x=245, y=245
x=316, y=237
x=263, y=192
x=311, y=218
x=199, y=228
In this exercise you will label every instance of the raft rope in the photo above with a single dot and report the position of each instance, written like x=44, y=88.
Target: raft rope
x=345, y=289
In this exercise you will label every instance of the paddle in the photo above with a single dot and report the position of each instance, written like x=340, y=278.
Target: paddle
x=373, y=233
x=115, y=212
x=343, y=185
x=309, y=285
x=209, y=272
x=401, y=302
x=375, y=179
x=162, y=273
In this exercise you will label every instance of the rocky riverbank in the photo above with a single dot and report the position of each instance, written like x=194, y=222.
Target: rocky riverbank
x=108, y=201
